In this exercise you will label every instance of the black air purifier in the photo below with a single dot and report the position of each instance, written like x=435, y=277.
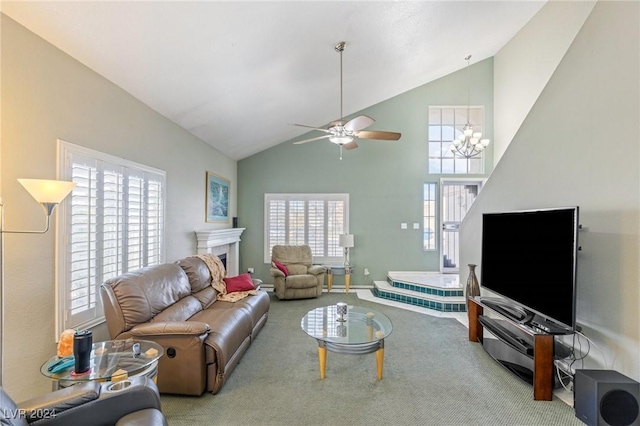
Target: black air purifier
x=606, y=398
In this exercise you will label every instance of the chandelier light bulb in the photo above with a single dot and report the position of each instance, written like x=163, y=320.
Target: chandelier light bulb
x=474, y=141
x=468, y=130
x=456, y=142
x=477, y=135
x=484, y=142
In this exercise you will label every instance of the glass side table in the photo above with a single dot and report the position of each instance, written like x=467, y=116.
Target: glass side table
x=339, y=270
x=112, y=360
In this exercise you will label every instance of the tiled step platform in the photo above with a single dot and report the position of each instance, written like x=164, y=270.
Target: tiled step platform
x=433, y=290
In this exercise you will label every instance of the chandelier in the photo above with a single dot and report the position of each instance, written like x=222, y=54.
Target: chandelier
x=469, y=143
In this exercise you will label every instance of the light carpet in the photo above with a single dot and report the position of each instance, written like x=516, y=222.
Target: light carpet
x=433, y=375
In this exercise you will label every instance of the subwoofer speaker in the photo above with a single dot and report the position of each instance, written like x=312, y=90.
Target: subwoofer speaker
x=606, y=398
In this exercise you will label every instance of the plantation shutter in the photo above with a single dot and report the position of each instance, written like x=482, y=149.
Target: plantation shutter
x=114, y=224
x=315, y=220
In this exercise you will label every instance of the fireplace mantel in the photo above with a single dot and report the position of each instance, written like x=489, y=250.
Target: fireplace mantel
x=222, y=241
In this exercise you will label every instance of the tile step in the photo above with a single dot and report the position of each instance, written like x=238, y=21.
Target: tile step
x=448, y=303
x=429, y=283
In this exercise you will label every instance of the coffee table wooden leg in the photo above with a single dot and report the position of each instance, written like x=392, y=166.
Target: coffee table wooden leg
x=329, y=281
x=322, y=357
x=380, y=361
x=347, y=282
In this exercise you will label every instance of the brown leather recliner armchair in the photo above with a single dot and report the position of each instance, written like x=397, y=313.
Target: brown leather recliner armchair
x=90, y=403
x=304, y=280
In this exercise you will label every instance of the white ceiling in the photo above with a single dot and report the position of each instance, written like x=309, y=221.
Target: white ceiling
x=236, y=73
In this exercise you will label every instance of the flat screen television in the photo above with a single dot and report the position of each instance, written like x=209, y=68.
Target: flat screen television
x=530, y=259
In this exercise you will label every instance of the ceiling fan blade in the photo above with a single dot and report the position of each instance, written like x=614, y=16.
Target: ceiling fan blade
x=312, y=139
x=380, y=135
x=359, y=123
x=310, y=127
x=350, y=145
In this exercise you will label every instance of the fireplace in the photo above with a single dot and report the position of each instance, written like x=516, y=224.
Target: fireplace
x=222, y=242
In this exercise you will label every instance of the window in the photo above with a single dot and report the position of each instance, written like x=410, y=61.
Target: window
x=315, y=220
x=113, y=223
x=445, y=124
x=429, y=213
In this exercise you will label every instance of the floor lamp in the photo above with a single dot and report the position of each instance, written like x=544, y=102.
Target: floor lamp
x=49, y=193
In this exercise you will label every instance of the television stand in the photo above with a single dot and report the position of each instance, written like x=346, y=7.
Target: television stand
x=542, y=344
x=507, y=310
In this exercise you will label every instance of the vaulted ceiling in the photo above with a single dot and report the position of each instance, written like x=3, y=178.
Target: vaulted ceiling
x=236, y=73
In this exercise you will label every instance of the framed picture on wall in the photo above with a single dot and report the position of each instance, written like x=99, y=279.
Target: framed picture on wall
x=217, y=208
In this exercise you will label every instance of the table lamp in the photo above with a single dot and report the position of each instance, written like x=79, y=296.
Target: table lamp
x=346, y=241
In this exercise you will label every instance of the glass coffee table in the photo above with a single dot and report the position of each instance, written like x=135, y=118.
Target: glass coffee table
x=112, y=360
x=362, y=332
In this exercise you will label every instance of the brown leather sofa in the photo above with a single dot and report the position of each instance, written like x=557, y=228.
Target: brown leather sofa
x=175, y=305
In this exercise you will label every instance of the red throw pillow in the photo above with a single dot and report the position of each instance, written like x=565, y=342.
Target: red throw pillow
x=280, y=266
x=240, y=283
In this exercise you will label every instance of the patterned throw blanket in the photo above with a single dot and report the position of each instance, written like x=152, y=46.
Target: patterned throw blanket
x=217, y=279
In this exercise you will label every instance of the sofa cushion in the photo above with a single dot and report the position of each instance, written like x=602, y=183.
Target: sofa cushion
x=292, y=254
x=256, y=306
x=182, y=310
x=197, y=271
x=301, y=281
x=298, y=269
x=144, y=293
x=229, y=330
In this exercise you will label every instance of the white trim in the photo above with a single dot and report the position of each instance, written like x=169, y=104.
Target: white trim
x=222, y=241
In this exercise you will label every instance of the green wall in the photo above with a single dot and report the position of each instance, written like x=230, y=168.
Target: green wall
x=384, y=179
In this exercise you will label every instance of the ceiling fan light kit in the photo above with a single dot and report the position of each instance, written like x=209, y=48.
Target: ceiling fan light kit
x=469, y=143
x=345, y=133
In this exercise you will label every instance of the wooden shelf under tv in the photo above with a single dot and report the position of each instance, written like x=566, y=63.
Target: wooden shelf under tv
x=543, y=349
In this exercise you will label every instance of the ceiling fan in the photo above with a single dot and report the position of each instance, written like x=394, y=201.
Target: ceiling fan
x=344, y=133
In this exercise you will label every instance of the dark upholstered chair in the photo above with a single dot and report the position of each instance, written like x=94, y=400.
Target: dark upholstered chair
x=90, y=403
x=304, y=280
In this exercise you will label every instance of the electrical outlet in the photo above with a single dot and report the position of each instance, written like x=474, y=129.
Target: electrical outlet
x=416, y=225
x=250, y=270
x=366, y=271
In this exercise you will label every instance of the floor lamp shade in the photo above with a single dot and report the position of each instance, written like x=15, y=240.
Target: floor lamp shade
x=47, y=191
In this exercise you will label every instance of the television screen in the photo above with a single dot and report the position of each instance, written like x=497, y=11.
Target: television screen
x=530, y=257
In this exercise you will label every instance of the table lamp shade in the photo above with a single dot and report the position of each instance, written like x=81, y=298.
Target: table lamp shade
x=345, y=240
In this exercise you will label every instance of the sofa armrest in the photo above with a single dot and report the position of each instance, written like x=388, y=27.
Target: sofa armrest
x=317, y=270
x=256, y=283
x=275, y=272
x=91, y=403
x=175, y=328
